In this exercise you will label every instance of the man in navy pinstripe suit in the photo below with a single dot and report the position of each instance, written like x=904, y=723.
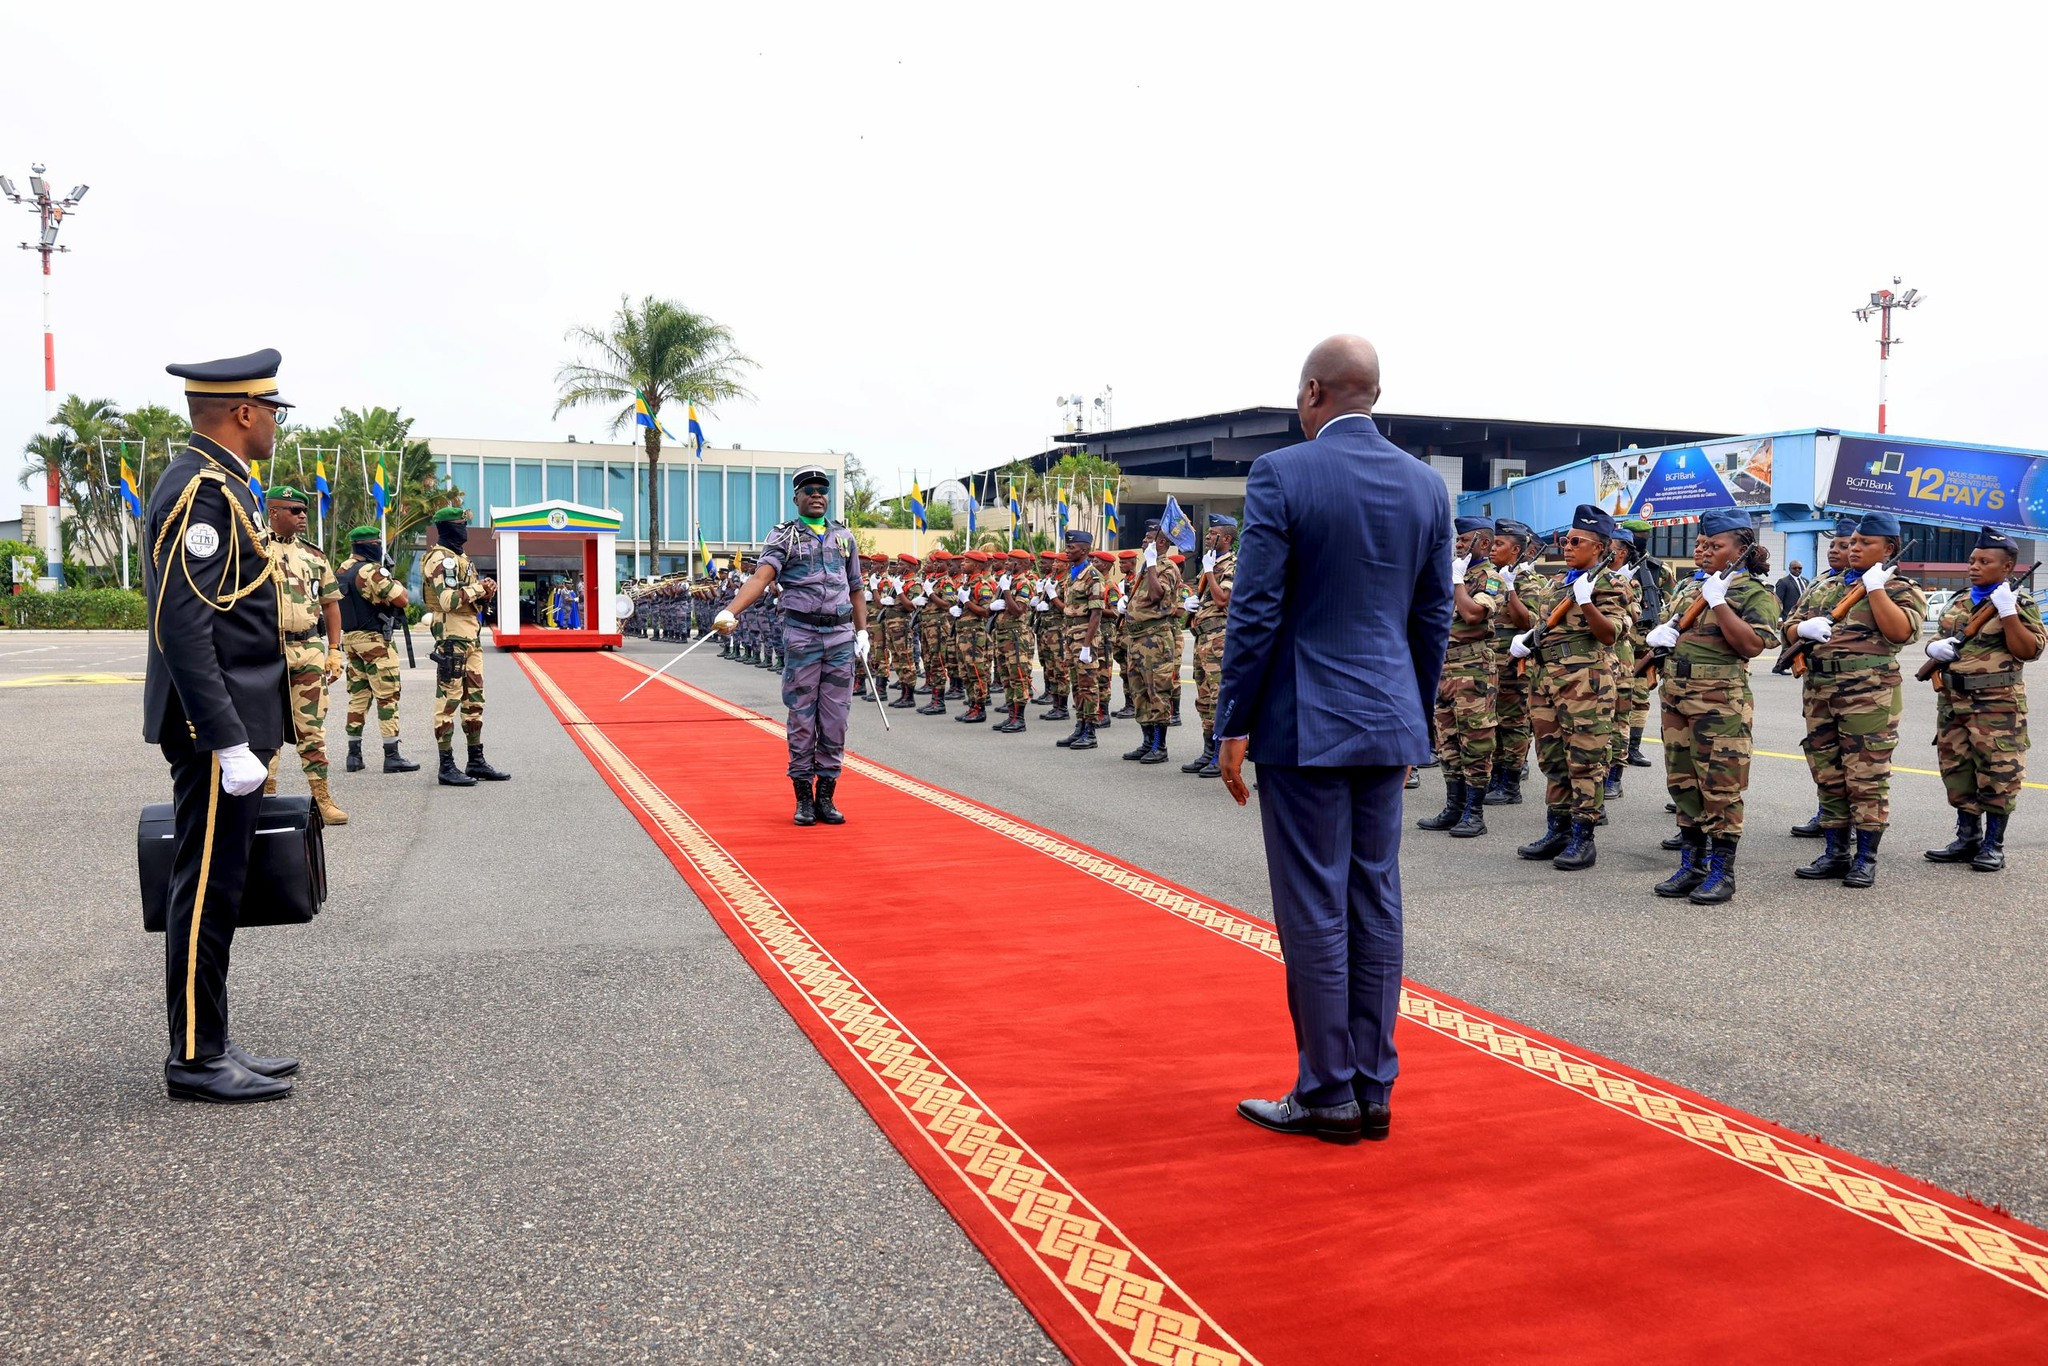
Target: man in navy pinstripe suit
x=1335, y=640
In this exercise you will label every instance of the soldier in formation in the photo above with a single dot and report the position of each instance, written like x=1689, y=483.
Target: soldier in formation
x=1465, y=716
x=1837, y=565
x=373, y=604
x=309, y=618
x=1210, y=605
x=1084, y=596
x=1152, y=644
x=1514, y=545
x=455, y=593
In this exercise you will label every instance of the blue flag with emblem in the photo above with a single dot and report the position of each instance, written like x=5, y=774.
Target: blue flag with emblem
x=1176, y=525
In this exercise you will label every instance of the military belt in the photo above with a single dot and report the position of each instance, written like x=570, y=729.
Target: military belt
x=1204, y=625
x=1461, y=651
x=301, y=637
x=2004, y=678
x=1686, y=668
x=1144, y=625
x=820, y=618
x=1824, y=665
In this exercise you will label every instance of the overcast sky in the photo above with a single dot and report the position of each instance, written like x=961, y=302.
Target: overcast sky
x=926, y=223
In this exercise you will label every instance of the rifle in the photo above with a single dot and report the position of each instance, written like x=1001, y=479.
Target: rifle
x=1551, y=623
x=1647, y=666
x=1792, y=659
x=1978, y=621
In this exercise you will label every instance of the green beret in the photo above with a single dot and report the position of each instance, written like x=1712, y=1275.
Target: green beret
x=285, y=493
x=1637, y=524
x=451, y=515
x=364, y=533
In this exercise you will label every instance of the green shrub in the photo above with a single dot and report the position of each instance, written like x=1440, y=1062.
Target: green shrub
x=9, y=552
x=76, y=609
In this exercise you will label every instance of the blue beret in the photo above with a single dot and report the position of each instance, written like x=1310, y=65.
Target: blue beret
x=1589, y=517
x=1508, y=526
x=1076, y=536
x=1990, y=538
x=1217, y=519
x=1622, y=533
x=1721, y=521
x=1844, y=526
x=1878, y=524
x=1465, y=524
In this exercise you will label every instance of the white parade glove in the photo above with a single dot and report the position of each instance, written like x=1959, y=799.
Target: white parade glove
x=1816, y=628
x=1714, y=588
x=888, y=602
x=1045, y=607
x=1209, y=562
x=1876, y=577
x=2005, y=600
x=1004, y=583
x=1191, y=603
x=919, y=600
x=1665, y=637
x=1122, y=607
x=1458, y=568
x=953, y=611
x=1151, y=554
x=860, y=644
x=1582, y=589
x=1941, y=651
x=1519, y=646
x=240, y=774
x=1087, y=655
x=724, y=622
x=1507, y=578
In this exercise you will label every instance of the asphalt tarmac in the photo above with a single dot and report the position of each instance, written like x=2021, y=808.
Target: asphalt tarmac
x=549, y=1113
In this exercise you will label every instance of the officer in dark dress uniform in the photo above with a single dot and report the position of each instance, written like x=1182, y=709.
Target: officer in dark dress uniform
x=214, y=700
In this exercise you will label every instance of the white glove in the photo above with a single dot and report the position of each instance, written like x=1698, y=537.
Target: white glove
x=1123, y=606
x=1519, y=646
x=1876, y=577
x=1045, y=607
x=1582, y=589
x=888, y=602
x=1714, y=588
x=1941, y=651
x=1191, y=603
x=725, y=622
x=953, y=611
x=860, y=644
x=1151, y=554
x=1004, y=583
x=240, y=774
x=1458, y=568
x=1507, y=578
x=1087, y=655
x=1665, y=637
x=919, y=600
x=1209, y=562
x=963, y=595
x=1816, y=628
x=2005, y=600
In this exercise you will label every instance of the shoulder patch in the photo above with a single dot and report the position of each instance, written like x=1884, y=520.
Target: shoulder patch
x=201, y=541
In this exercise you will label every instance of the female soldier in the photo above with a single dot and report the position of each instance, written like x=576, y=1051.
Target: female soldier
x=1980, y=727
x=1852, y=697
x=1838, y=565
x=1571, y=701
x=1708, y=709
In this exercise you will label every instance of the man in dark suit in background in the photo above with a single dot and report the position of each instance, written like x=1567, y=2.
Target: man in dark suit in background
x=1335, y=641
x=1792, y=587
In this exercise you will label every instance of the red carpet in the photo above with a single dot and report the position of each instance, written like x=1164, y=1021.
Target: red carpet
x=1055, y=1041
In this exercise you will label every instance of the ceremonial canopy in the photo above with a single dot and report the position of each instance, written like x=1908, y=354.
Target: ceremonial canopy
x=558, y=528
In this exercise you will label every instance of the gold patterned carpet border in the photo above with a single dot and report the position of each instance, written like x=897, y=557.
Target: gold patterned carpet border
x=1133, y=1305
x=1954, y=1232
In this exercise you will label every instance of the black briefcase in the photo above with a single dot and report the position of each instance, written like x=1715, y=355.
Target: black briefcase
x=287, y=864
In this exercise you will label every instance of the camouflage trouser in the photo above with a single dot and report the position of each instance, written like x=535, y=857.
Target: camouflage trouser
x=932, y=641
x=902, y=656
x=1119, y=655
x=1052, y=655
x=1981, y=739
x=949, y=646
x=1852, y=727
x=1707, y=741
x=372, y=672
x=307, y=661
x=1013, y=658
x=1511, y=714
x=1572, y=713
x=459, y=685
x=1152, y=669
x=975, y=653
x=1638, y=701
x=1624, y=699
x=1465, y=719
x=1208, y=671
x=1087, y=681
x=817, y=687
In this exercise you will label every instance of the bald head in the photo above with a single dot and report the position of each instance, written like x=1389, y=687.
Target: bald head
x=1342, y=375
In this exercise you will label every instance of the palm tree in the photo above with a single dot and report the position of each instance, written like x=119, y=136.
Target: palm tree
x=663, y=353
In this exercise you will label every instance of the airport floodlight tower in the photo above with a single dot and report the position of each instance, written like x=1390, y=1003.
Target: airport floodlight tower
x=49, y=211
x=1882, y=303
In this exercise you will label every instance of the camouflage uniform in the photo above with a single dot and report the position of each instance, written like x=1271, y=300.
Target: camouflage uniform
x=453, y=591
x=372, y=664
x=818, y=573
x=1210, y=618
x=1571, y=699
x=1050, y=625
x=1708, y=710
x=971, y=633
x=306, y=584
x=930, y=639
x=1011, y=638
x=1980, y=731
x=1083, y=592
x=1626, y=642
x=1151, y=645
x=1512, y=728
x=899, y=623
x=1465, y=718
x=1852, y=702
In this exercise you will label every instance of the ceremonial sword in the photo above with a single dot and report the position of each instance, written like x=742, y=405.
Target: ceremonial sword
x=666, y=667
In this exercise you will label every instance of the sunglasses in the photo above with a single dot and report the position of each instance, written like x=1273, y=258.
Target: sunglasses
x=1581, y=540
x=813, y=488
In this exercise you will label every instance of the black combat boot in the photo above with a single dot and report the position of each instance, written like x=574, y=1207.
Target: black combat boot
x=1102, y=720
x=1080, y=727
x=450, y=775
x=1692, y=863
x=1504, y=790
x=1612, y=791
x=1214, y=768
x=828, y=814
x=1473, y=823
x=1157, y=754
x=935, y=707
x=1719, y=884
x=975, y=714
x=1058, y=712
x=1863, y=869
x=355, y=754
x=1556, y=834
x=1578, y=853
x=1208, y=752
x=1969, y=838
x=1674, y=841
x=1991, y=854
x=1128, y=709
x=909, y=699
x=1174, y=720
x=1833, y=860
x=480, y=767
x=956, y=692
x=1454, y=807
x=1810, y=830
x=1144, y=744
x=394, y=762
x=1087, y=740
x=1636, y=758
x=806, y=806
x=1014, y=724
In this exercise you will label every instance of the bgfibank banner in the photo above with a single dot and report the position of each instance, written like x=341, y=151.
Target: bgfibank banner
x=1941, y=483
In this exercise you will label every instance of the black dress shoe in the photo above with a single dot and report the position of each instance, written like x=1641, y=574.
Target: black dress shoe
x=263, y=1067
x=220, y=1080
x=1376, y=1119
x=1332, y=1124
